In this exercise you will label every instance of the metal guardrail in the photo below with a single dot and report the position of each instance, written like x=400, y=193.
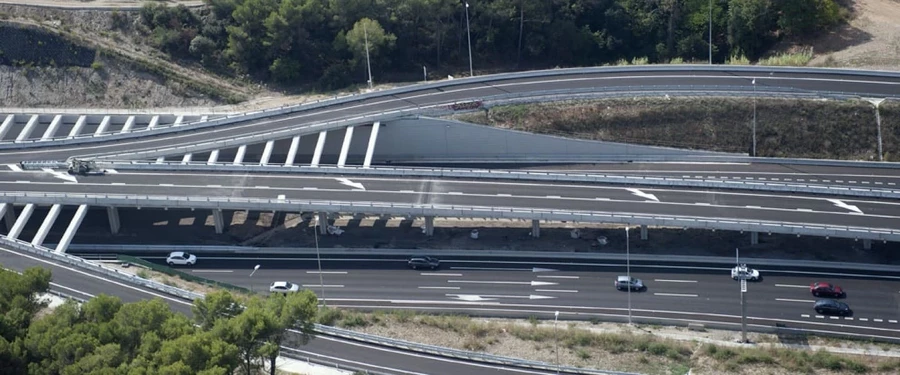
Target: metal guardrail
x=82, y=263
x=456, y=353
x=253, y=115
x=293, y=205
x=519, y=175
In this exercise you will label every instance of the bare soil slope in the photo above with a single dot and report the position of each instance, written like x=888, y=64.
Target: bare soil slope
x=870, y=41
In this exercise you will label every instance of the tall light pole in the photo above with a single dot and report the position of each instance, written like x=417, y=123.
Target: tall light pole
x=251, y=276
x=628, y=270
x=368, y=65
x=876, y=103
x=469, y=34
x=710, y=32
x=743, y=278
x=556, y=319
x=754, y=117
x=319, y=260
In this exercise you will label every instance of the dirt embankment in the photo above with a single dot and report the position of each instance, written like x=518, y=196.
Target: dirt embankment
x=784, y=128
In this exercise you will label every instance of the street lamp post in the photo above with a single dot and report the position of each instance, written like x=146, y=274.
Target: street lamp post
x=469, y=35
x=710, y=32
x=876, y=103
x=743, y=279
x=556, y=319
x=754, y=117
x=251, y=276
x=319, y=260
x=628, y=270
x=368, y=65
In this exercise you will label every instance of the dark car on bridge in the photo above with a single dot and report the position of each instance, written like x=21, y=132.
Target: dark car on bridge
x=417, y=262
x=832, y=307
x=820, y=289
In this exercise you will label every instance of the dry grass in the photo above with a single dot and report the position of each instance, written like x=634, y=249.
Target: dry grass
x=785, y=127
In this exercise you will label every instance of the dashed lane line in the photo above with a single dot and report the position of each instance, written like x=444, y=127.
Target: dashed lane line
x=556, y=290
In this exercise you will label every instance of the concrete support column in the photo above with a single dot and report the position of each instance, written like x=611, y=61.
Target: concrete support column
x=219, y=221
x=114, y=223
x=239, y=156
x=292, y=152
x=104, y=124
x=51, y=130
x=78, y=126
x=187, y=158
x=204, y=118
x=178, y=120
x=370, y=150
x=16, y=229
x=267, y=153
x=754, y=238
x=73, y=227
x=7, y=212
x=160, y=159
x=46, y=225
x=323, y=222
x=7, y=124
x=153, y=122
x=345, y=148
x=867, y=244
x=429, y=226
x=536, y=228
x=644, y=232
x=129, y=124
x=213, y=157
x=29, y=127
x=320, y=146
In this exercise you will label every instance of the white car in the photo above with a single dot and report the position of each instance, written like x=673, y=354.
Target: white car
x=181, y=258
x=283, y=287
x=744, y=272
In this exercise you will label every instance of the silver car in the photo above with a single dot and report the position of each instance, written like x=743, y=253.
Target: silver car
x=623, y=283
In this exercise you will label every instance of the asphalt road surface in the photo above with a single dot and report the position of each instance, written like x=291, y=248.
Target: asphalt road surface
x=427, y=95
x=578, y=289
x=775, y=207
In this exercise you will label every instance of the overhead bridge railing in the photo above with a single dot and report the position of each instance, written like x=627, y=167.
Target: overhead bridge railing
x=255, y=115
x=520, y=175
x=464, y=211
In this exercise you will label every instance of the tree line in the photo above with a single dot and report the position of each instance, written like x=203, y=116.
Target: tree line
x=323, y=41
x=104, y=336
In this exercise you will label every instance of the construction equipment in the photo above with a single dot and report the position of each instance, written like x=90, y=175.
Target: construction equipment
x=84, y=167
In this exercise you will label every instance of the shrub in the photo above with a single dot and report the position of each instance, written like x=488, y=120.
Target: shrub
x=97, y=65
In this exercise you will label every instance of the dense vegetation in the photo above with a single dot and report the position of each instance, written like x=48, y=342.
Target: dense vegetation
x=105, y=336
x=323, y=41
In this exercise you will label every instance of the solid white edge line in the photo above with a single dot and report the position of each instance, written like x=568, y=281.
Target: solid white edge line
x=440, y=274
x=328, y=272
x=791, y=286
x=558, y=277
x=674, y=281
x=556, y=290
x=440, y=287
x=674, y=295
x=795, y=300
x=321, y=286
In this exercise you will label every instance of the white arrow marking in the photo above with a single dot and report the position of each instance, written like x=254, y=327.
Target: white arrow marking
x=845, y=206
x=488, y=297
x=355, y=185
x=532, y=283
x=61, y=175
x=644, y=195
x=535, y=269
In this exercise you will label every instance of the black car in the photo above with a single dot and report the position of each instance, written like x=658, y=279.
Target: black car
x=832, y=307
x=417, y=262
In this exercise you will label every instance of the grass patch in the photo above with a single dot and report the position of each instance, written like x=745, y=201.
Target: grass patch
x=183, y=275
x=800, y=58
x=791, y=360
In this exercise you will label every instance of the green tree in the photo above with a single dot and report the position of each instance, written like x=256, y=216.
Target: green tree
x=369, y=31
x=215, y=306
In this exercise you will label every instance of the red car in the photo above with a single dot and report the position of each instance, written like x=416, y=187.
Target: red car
x=826, y=290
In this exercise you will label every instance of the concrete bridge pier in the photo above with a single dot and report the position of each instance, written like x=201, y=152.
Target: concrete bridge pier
x=213, y=157
x=73, y=227
x=429, y=226
x=16, y=229
x=29, y=127
x=754, y=238
x=38, y=239
x=76, y=130
x=643, y=232
x=345, y=147
x=370, y=150
x=114, y=223
x=867, y=244
x=536, y=228
x=267, y=153
x=323, y=222
x=292, y=151
x=239, y=156
x=7, y=211
x=218, y=221
x=320, y=146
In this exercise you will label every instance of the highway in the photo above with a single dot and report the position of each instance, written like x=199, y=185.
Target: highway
x=837, y=211
x=702, y=78
x=578, y=289
x=83, y=284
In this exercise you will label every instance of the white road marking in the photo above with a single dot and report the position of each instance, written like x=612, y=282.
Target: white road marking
x=554, y=196
x=892, y=321
x=329, y=272
x=841, y=204
x=863, y=319
x=118, y=183
x=407, y=191
x=804, y=315
x=558, y=277
x=753, y=206
x=321, y=286
x=820, y=316
x=440, y=287
x=212, y=271
x=674, y=281
x=795, y=300
x=804, y=209
x=532, y=283
x=260, y=187
x=477, y=297
x=791, y=286
x=166, y=184
x=504, y=195
x=878, y=320
x=355, y=185
x=643, y=194
x=848, y=318
x=212, y=186
x=556, y=290
x=111, y=171
x=702, y=204
x=22, y=182
x=14, y=168
x=440, y=274
x=454, y=193
x=533, y=269
x=310, y=188
x=674, y=295
x=601, y=199
x=834, y=317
